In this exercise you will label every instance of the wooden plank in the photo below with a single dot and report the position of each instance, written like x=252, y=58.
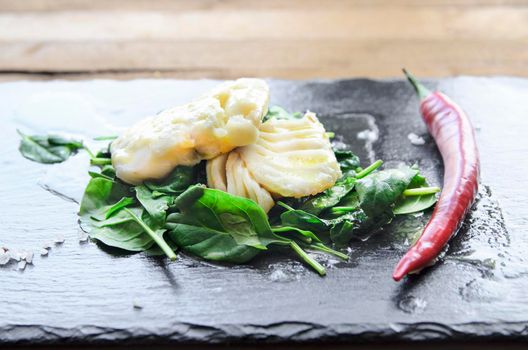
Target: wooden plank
x=351, y=24
x=275, y=58
x=304, y=5
x=286, y=39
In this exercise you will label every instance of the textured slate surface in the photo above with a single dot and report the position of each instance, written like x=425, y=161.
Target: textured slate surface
x=83, y=294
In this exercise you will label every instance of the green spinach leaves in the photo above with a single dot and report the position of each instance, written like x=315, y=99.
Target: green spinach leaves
x=178, y=212
x=48, y=149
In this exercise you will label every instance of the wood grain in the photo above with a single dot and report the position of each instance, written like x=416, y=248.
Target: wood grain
x=284, y=39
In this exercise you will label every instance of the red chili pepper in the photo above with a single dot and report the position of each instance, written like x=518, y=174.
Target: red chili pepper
x=455, y=139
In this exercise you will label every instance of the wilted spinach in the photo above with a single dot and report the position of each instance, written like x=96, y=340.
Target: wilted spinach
x=105, y=214
x=158, y=217
x=48, y=149
x=218, y=226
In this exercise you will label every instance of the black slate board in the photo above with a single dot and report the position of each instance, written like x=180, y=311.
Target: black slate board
x=83, y=294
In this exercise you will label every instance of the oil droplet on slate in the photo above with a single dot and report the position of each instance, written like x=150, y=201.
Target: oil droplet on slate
x=411, y=304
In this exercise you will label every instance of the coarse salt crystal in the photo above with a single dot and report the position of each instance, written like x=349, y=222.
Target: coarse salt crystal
x=44, y=252
x=14, y=255
x=29, y=257
x=59, y=239
x=415, y=139
x=4, y=258
x=136, y=304
x=22, y=265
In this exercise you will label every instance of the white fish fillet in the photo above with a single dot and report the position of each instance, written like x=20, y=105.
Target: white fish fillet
x=227, y=117
x=229, y=173
x=292, y=158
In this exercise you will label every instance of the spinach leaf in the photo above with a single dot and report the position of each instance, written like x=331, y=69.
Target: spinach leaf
x=155, y=204
x=379, y=191
x=376, y=194
x=330, y=197
x=280, y=113
x=303, y=220
x=175, y=183
x=308, y=240
x=218, y=226
x=414, y=204
x=348, y=162
x=48, y=149
x=358, y=225
x=123, y=202
x=128, y=228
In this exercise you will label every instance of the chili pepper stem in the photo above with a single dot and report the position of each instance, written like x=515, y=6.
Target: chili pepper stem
x=421, y=90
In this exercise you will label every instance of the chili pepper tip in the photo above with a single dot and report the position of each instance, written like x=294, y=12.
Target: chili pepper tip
x=403, y=268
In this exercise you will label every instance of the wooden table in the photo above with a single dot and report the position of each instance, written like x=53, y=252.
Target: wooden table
x=46, y=39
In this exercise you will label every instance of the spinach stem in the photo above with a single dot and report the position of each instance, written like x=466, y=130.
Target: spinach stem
x=323, y=248
x=90, y=153
x=330, y=134
x=342, y=210
x=105, y=138
x=284, y=205
x=158, y=239
x=310, y=261
x=289, y=229
x=420, y=191
x=369, y=169
x=100, y=161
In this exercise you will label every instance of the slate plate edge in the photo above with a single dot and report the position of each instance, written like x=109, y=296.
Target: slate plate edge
x=298, y=332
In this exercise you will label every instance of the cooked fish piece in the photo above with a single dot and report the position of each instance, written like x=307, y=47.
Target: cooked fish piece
x=292, y=157
x=229, y=173
x=227, y=117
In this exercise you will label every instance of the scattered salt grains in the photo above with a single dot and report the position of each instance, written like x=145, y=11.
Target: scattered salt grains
x=44, y=252
x=22, y=264
x=415, y=139
x=47, y=245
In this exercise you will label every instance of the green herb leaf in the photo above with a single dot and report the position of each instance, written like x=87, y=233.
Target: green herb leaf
x=408, y=204
x=415, y=204
x=123, y=202
x=280, y=113
x=156, y=206
x=175, y=183
x=303, y=220
x=218, y=226
x=379, y=191
x=348, y=162
x=48, y=149
x=126, y=228
x=330, y=197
